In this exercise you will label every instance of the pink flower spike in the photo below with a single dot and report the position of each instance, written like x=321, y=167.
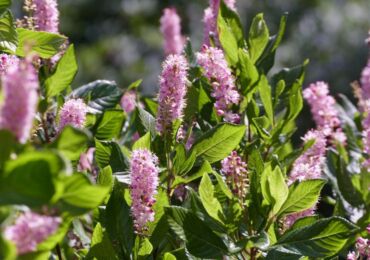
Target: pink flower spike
x=86, y=161
x=219, y=74
x=144, y=182
x=365, y=81
x=171, y=29
x=20, y=89
x=210, y=20
x=172, y=92
x=7, y=61
x=30, y=229
x=46, y=15
x=324, y=111
x=235, y=171
x=128, y=101
x=73, y=113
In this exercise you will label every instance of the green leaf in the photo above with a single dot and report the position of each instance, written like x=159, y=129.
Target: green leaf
x=101, y=94
x=161, y=201
x=143, y=142
x=101, y=246
x=110, y=125
x=248, y=74
x=258, y=37
x=265, y=94
x=118, y=223
x=64, y=74
x=148, y=121
x=4, y=4
x=80, y=196
x=200, y=240
x=217, y=143
x=110, y=153
x=169, y=256
x=324, y=238
x=196, y=98
x=274, y=188
x=302, y=195
x=8, y=33
x=8, y=251
x=45, y=44
x=209, y=201
x=183, y=163
x=205, y=168
x=7, y=141
x=230, y=32
x=29, y=180
x=145, y=247
x=71, y=142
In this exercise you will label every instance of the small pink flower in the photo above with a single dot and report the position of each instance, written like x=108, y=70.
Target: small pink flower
x=144, y=182
x=29, y=230
x=223, y=82
x=46, y=15
x=7, y=61
x=324, y=111
x=86, y=161
x=20, y=89
x=171, y=30
x=235, y=171
x=73, y=113
x=210, y=20
x=352, y=256
x=128, y=101
x=172, y=92
x=365, y=81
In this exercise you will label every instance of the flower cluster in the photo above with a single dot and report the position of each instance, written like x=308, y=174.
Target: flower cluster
x=144, y=182
x=128, y=101
x=362, y=247
x=366, y=131
x=20, y=85
x=46, y=15
x=73, y=113
x=365, y=82
x=171, y=30
x=30, y=229
x=86, y=162
x=210, y=20
x=324, y=111
x=308, y=166
x=235, y=171
x=172, y=92
x=223, y=82
x=7, y=61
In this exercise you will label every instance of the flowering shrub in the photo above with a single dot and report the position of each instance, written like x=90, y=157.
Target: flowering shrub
x=206, y=170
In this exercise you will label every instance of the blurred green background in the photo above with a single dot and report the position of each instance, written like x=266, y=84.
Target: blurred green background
x=120, y=39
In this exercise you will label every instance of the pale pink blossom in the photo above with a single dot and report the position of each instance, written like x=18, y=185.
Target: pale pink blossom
x=46, y=15
x=144, y=182
x=86, y=161
x=20, y=90
x=215, y=67
x=235, y=171
x=324, y=111
x=210, y=20
x=171, y=30
x=73, y=113
x=128, y=101
x=29, y=230
x=172, y=92
x=7, y=61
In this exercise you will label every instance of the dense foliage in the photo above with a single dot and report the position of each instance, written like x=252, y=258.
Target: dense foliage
x=206, y=170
